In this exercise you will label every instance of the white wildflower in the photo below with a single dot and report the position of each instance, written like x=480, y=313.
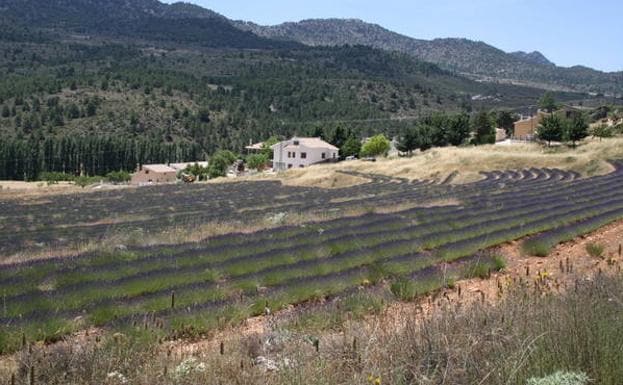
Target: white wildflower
x=561, y=378
x=116, y=377
x=189, y=366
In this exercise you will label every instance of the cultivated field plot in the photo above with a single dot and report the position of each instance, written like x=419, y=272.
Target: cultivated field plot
x=186, y=287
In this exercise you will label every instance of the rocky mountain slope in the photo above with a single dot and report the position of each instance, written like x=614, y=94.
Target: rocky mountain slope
x=476, y=59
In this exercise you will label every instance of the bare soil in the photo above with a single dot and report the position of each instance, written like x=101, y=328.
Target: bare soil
x=566, y=264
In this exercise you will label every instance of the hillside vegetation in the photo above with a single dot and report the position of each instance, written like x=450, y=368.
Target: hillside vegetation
x=150, y=82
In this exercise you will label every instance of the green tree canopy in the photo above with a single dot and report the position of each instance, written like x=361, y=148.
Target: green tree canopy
x=352, y=147
x=506, y=120
x=548, y=103
x=266, y=146
x=550, y=129
x=408, y=140
x=376, y=146
x=257, y=161
x=458, y=129
x=219, y=162
x=577, y=129
x=198, y=171
x=484, y=132
x=425, y=136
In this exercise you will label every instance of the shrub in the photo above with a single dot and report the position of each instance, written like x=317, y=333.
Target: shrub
x=257, y=161
x=198, y=171
x=55, y=177
x=499, y=262
x=479, y=270
x=595, y=250
x=118, y=177
x=406, y=289
x=483, y=268
x=536, y=248
x=602, y=131
x=84, y=181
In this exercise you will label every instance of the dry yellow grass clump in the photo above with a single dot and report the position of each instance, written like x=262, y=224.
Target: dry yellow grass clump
x=589, y=159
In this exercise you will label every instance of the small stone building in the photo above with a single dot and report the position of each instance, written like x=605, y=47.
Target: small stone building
x=154, y=174
x=525, y=129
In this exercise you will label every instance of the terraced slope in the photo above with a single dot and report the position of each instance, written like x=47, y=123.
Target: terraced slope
x=200, y=286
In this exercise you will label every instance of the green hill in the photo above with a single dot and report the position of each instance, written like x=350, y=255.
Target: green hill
x=184, y=82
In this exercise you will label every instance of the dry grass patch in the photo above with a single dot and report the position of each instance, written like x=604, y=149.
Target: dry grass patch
x=589, y=159
x=321, y=176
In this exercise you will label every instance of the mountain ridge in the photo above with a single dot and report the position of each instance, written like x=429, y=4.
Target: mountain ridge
x=186, y=23
x=534, y=56
x=473, y=58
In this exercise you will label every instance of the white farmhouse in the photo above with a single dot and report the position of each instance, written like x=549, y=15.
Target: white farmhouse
x=302, y=152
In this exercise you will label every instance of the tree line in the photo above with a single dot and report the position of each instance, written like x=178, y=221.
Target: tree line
x=27, y=159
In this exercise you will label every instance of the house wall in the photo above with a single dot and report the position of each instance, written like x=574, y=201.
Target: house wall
x=287, y=157
x=525, y=129
x=146, y=176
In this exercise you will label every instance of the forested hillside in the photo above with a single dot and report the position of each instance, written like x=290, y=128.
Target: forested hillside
x=82, y=89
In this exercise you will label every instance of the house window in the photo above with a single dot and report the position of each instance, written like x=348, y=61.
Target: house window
x=301, y=166
x=334, y=155
x=289, y=154
x=293, y=154
x=289, y=166
x=296, y=142
x=146, y=172
x=303, y=155
x=324, y=155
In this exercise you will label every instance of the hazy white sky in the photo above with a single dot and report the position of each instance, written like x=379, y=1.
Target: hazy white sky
x=568, y=32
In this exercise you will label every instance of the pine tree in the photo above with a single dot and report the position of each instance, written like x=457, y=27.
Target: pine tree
x=550, y=129
x=484, y=133
x=577, y=129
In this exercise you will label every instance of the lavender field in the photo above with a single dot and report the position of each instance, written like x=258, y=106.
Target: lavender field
x=194, y=287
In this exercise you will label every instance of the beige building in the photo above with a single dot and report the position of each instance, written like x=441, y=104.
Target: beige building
x=302, y=152
x=154, y=174
x=525, y=129
x=160, y=173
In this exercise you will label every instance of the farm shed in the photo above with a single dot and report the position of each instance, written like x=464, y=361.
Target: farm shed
x=154, y=174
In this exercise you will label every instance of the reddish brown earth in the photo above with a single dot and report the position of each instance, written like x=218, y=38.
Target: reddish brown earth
x=567, y=263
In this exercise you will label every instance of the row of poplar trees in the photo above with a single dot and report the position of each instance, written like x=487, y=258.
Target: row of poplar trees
x=26, y=159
